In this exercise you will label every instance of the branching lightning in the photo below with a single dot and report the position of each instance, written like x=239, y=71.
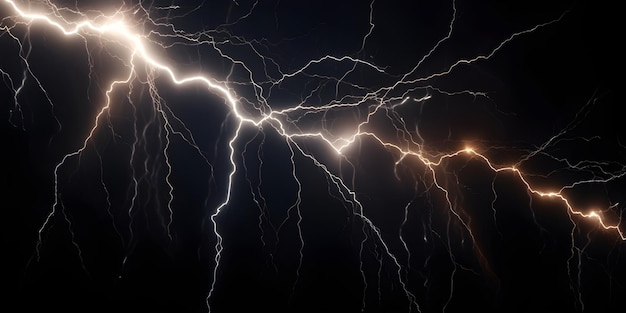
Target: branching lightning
x=140, y=47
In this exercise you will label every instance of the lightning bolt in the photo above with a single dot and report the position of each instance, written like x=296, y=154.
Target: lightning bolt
x=140, y=42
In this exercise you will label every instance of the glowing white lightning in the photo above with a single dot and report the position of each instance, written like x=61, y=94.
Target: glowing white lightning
x=142, y=52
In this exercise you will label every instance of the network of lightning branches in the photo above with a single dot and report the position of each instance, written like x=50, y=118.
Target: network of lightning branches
x=138, y=41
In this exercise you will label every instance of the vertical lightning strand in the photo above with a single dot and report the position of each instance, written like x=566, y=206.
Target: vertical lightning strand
x=218, y=245
x=256, y=195
x=158, y=105
x=296, y=206
x=57, y=200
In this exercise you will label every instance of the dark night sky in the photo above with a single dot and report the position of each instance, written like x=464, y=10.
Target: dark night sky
x=123, y=240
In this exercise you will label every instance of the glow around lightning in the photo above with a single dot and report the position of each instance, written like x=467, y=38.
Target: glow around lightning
x=140, y=50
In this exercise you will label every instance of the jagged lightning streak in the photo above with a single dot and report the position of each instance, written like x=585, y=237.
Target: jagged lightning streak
x=142, y=50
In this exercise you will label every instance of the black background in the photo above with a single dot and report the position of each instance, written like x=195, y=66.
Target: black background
x=103, y=251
